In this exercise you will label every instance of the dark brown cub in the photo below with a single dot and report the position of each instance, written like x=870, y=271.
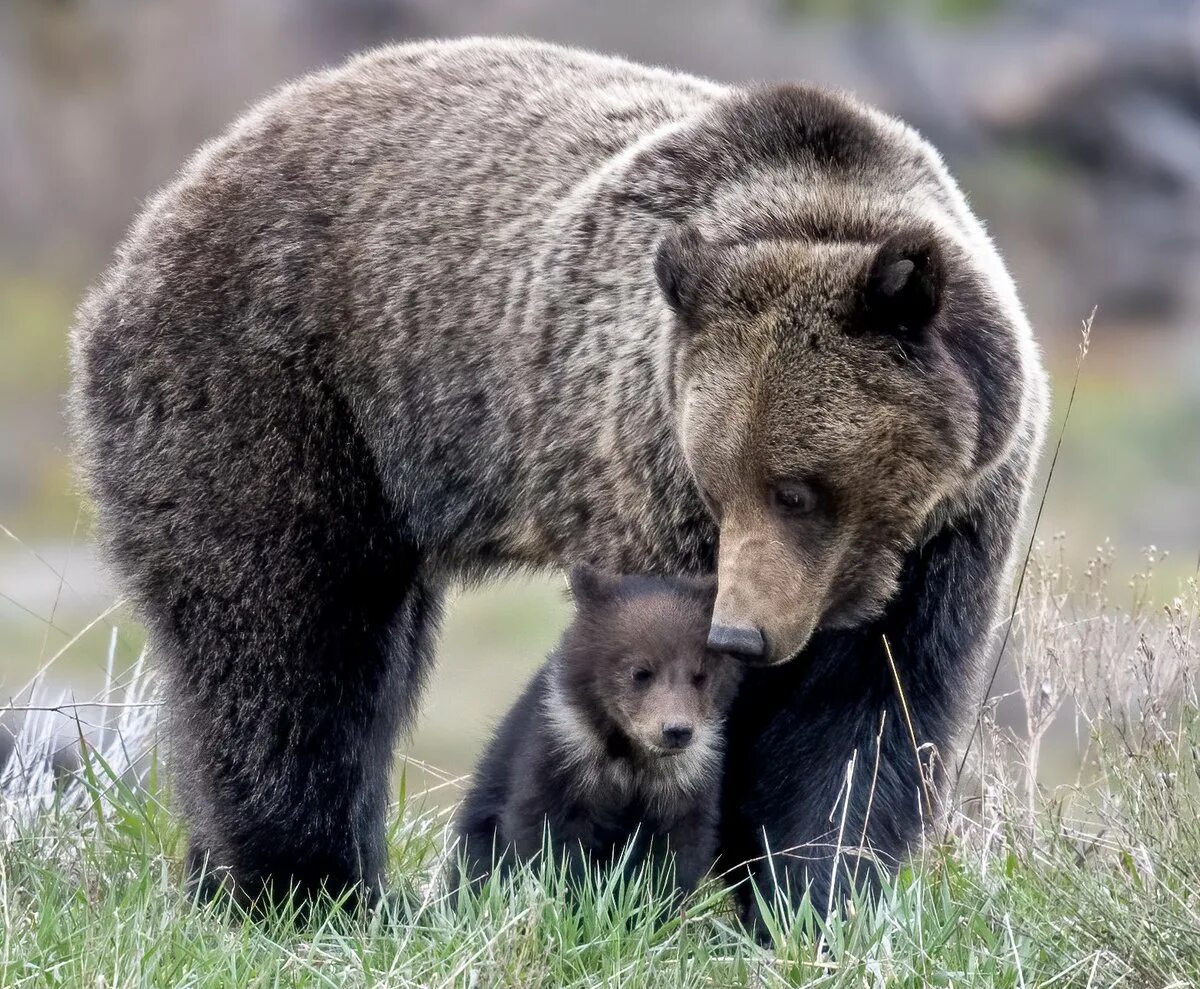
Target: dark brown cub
x=615, y=744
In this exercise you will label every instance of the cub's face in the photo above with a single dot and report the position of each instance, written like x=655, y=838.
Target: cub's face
x=637, y=657
x=825, y=405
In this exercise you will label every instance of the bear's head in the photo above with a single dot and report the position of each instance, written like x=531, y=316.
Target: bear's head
x=636, y=670
x=832, y=398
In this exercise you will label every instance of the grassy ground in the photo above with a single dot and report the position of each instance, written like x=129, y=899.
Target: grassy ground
x=1096, y=883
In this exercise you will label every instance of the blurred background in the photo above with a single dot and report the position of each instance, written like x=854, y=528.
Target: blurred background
x=1073, y=125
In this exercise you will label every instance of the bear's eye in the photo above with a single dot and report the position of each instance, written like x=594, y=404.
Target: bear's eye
x=642, y=675
x=699, y=679
x=795, y=497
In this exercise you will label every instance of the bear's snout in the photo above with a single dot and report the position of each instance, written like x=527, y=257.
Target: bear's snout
x=677, y=736
x=741, y=641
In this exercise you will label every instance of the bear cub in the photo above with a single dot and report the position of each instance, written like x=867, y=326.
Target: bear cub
x=616, y=743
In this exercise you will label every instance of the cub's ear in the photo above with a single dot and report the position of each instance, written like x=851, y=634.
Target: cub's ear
x=589, y=584
x=904, y=283
x=684, y=267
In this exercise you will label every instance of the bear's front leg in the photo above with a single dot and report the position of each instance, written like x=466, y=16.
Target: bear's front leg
x=791, y=810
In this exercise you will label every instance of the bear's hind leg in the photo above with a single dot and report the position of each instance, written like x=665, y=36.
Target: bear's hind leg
x=290, y=615
x=284, y=750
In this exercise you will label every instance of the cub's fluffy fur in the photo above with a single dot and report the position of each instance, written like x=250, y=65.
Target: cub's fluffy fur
x=615, y=746
x=459, y=308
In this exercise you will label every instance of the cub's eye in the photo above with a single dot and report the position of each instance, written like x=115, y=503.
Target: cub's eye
x=642, y=676
x=699, y=679
x=795, y=497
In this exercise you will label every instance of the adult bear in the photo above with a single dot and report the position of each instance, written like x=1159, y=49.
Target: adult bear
x=460, y=308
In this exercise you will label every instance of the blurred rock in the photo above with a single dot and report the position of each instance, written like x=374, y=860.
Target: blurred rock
x=1125, y=119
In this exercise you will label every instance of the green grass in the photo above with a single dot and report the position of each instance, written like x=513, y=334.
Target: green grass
x=1094, y=883
x=93, y=899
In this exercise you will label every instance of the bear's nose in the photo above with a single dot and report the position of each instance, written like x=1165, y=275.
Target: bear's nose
x=677, y=736
x=738, y=640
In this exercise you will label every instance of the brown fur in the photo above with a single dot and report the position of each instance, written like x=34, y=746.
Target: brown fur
x=458, y=308
x=584, y=760
x=773, y=389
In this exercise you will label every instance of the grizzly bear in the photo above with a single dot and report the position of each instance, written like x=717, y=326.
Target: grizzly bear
x=613, y=752
x=460, y=308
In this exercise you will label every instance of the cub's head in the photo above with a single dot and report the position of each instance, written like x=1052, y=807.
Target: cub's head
x=636, y=667
x=830, y=395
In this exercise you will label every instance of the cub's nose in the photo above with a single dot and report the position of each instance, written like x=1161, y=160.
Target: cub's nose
x=738, y=640
x=677, y=736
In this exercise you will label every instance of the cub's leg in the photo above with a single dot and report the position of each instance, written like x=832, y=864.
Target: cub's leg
x=692, y=848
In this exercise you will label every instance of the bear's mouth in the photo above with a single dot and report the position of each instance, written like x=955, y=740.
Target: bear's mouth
x=661, y=752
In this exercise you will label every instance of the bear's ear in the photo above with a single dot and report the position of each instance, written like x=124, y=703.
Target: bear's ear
x=903, y=287
x=684, y=268
x=589, y=584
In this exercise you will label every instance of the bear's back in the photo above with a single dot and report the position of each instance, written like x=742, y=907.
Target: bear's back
x=420, y=174
x=546, y=114
x=449, y=136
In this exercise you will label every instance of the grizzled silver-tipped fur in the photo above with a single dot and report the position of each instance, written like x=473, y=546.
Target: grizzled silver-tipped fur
x=458, y=308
